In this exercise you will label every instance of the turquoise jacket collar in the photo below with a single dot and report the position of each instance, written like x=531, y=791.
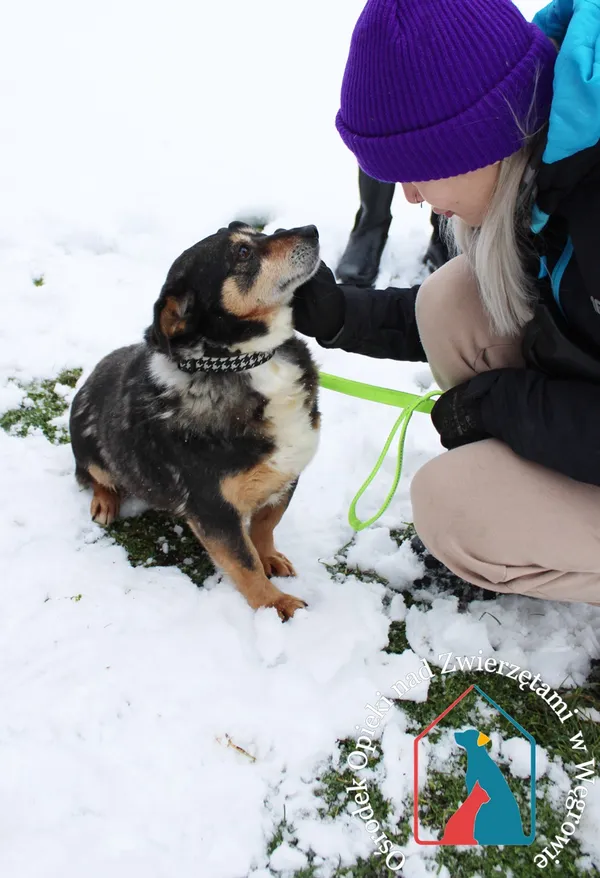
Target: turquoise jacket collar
x=574, y=123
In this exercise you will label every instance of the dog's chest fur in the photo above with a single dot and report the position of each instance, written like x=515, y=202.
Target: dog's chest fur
x=287, y=414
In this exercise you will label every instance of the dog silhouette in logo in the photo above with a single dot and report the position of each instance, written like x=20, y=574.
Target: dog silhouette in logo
x=497, y=818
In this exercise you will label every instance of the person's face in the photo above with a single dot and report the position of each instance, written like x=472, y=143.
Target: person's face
x=467, y=196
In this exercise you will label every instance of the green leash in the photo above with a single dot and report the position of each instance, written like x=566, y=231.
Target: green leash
x=409, y=403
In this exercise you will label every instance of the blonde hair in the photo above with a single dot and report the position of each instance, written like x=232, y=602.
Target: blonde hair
x=496, y=249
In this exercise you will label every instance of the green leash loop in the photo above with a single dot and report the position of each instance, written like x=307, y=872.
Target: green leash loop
x=409, y=403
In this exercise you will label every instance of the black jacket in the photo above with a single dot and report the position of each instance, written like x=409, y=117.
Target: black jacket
x=550, y=411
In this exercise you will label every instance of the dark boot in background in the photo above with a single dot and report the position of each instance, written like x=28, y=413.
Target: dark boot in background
x=359, y=264
x=437, y=253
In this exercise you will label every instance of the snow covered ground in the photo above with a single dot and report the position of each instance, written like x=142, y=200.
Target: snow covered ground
x=130, y=130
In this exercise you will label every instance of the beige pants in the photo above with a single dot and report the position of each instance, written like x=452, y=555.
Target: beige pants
x=493, y=518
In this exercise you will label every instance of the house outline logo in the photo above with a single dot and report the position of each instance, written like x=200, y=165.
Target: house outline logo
x=475, y=817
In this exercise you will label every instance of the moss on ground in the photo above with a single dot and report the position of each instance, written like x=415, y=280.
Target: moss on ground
x=155, y=539
x=340, y=569
x=40, y=407
x=255, y=221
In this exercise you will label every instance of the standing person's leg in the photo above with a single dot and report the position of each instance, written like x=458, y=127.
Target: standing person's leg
x=493, y=518
x=359, y=264
x=360, y=261
x=437, y=253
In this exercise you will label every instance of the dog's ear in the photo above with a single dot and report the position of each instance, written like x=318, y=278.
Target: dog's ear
x=237, y=226
x=171, y=314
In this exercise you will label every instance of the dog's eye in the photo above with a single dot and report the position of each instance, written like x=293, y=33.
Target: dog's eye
x=244, y=252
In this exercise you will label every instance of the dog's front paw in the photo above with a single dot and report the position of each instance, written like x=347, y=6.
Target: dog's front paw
x=276, y=564
x=105, y=506
x=286, y=605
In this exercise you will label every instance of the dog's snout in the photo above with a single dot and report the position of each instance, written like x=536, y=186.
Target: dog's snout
x=309, y=232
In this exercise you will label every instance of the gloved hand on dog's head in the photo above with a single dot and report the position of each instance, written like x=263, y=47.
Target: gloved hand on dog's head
x=319, y=306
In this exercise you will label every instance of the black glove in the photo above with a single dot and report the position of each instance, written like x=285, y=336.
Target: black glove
x=319, y=306
x=457, y=414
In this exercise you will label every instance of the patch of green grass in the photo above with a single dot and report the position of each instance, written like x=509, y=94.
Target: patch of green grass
x=340, y=569
x=155, y=539
x=333, y=785
x=40, y=407
x=282, y=830
x=397, y=639
x=401, y=535
x=39, y=281
x=255, y=221
x=69, y=377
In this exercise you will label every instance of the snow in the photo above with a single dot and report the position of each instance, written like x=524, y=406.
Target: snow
x=375, y=551
x=287, y=857
x=130, y=131
x=11, y=396
x=518, y=753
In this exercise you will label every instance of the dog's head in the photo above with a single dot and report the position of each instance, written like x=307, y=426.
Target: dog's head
x=234, y=290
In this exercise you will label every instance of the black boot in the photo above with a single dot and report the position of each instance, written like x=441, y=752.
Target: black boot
x=437, y=253
x=359, y=264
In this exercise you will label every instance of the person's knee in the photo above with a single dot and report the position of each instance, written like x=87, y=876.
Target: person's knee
x=447, y=310
x=449, y=512
x=431, y=496
x=444, y=518
x=439, y=295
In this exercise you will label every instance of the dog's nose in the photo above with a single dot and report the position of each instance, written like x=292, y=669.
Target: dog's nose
x=309, y=232
x=300, y=232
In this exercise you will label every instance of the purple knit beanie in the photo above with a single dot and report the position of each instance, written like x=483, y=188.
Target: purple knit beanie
x=437, y=88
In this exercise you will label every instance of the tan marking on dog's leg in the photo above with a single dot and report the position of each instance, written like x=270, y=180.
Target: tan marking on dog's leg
x=101, y=476
x=106, y=501
x=251, y=489
x=262, y=526
x=250, y=581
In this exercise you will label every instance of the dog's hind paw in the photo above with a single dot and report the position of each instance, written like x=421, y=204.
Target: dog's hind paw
x=286, y=605
x=276, y=564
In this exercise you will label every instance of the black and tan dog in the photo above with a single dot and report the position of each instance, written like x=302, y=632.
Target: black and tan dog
x=214, y=415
